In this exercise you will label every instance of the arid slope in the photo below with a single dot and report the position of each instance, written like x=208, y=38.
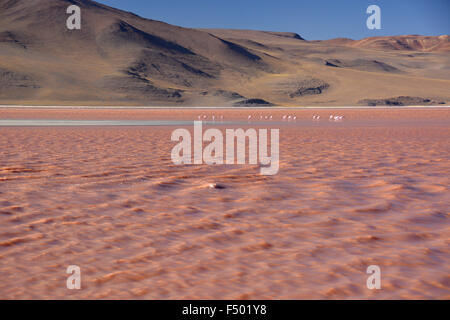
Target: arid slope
x=118, y=58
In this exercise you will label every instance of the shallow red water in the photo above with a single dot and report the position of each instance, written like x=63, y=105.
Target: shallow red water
x=109, y=200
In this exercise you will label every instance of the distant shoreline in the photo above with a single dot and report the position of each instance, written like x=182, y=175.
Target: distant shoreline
x=226, y=108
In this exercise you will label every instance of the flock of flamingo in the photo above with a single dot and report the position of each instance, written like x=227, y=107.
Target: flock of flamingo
x=286, y=117
x=331, y=118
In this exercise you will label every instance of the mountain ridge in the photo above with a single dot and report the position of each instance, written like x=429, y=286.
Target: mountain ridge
x=120, y=58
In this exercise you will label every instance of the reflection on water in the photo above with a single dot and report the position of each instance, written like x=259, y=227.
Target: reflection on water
x=302, y=122
x=67, y=123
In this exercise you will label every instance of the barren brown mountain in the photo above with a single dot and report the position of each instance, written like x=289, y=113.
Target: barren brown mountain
x=118, y=58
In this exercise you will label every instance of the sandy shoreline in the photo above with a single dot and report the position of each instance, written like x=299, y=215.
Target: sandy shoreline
x=218, y=107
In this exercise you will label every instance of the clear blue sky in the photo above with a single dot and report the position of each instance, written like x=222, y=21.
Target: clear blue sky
x=312, y=19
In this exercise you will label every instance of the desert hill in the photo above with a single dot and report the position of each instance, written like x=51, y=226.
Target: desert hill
x=119, y=58
x=405, y=43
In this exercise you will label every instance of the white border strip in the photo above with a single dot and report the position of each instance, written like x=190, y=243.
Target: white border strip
x=221, y=107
